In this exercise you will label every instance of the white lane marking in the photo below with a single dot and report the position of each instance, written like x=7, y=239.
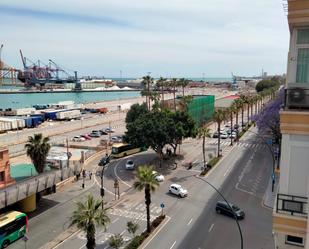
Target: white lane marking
x=115, y=169
x=123, y=232
x=155, y=234
x=106, y=247
x=99, y=184
x=173, y=245
x=211, y=227
x=227, y=171
x=115, y=220
x=189, y=222
x=82, y=246
x=73, y=234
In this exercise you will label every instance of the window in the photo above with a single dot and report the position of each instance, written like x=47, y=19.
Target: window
x=2, y=176
x=302, y=45
x=294, y=240
x=292, y=206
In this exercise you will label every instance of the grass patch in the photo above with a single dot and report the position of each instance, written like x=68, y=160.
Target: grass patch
x=211, y=164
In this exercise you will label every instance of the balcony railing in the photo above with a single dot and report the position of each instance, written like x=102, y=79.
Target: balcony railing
x=292, y=205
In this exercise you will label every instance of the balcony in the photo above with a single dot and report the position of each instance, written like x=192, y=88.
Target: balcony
x=292, y=205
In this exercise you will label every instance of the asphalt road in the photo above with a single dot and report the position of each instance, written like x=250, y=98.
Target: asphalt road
x=242, y=178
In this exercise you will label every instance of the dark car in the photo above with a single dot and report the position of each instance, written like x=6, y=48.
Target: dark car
x=215, y=135
x=105, y=160
x=103, y=132
x=223, y=208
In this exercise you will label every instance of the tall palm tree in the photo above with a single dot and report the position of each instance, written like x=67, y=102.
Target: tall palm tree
x=147, y=82
x=37, y=149
x=174, y=84
x=219, y=116
x=146, y=181
x=161, y=83
x=183, y=83
x=87, y=215
x=203, y=132
x=231, y=111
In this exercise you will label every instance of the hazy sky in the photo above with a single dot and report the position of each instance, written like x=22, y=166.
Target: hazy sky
x=167, y=38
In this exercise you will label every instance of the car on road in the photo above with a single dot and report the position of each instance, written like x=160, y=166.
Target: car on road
x=224, y=135
x=86, y=136
x=158, y=177
x=223, y=208
x=78, y=139
x=176, y=189
x=95, y=134
x=232, y=135
x=104, y=161
x=109, y=130
x=215, y=135
x=116, y=139
x=130, y=164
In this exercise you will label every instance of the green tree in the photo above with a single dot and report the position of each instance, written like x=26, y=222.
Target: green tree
x=37, y=149
x=146, y=181
x=135, y=112
x=174, y=83
x=161, y=82
x=231, y=111
x=265, y=84
x=87, y=215
x=204, y=132
x=132, y=227
x=183, y=83
x=219, y=116
x=116, y=241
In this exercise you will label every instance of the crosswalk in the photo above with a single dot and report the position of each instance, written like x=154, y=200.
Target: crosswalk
x=135, y=210
x=240, y=144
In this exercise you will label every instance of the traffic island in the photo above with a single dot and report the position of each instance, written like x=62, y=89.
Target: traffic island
x=210, y=165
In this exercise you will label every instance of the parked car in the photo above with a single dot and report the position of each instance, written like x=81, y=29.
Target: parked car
x=130, y=164
x=103, y=132
x=104, y=161
x=215, y=135
x=109, y=130
x=116, y=139
x=232, y=135
x=224, y=135
x=78, y=139
x=223, y=208
x=236, y=126
x=86, y=136
x=176, y=189
x=158, y=177
x=95, y=134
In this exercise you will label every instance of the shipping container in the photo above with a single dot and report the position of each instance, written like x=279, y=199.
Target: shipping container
x=102, y=110
x=51, y=115
x=4, y=126
x=68, y=114
x=23, y=111
x=13, y=123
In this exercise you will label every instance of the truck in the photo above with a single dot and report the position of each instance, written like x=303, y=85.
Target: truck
x=68, y=114
x=102, y=110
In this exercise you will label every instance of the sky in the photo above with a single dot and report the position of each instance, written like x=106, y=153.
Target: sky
x=170, y=38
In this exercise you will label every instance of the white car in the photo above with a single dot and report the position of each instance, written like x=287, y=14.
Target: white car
x=130, y=164
x=158, y=177
x=176, y=189
x=224, y=135
x=116, y=139
x=233, y=135
x=78, y=139
x=109, y=130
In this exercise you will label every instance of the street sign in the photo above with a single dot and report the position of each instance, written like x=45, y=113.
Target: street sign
x=269, y=141
x=273, y=176
x=162, y=205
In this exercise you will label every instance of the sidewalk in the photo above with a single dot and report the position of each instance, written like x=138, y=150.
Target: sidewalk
x=269, y=196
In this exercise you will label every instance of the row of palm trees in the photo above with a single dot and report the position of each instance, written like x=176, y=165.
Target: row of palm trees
x=252, y=104
x=162, y=84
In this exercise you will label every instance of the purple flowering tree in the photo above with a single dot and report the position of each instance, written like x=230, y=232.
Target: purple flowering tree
x=268, y=119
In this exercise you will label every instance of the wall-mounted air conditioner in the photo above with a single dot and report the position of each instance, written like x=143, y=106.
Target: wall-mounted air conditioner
x=297, y=96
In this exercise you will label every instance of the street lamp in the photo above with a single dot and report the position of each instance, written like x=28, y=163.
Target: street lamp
x=102, y=188
x=235, y=216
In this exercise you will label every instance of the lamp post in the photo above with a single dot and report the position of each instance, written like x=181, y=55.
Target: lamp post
x=1, y=79
x=235, y=217
x=102, y=188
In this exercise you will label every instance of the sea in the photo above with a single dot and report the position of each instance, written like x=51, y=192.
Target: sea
x=22, y=100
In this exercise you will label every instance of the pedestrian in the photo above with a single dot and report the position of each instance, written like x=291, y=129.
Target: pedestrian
x=84, y=173
x=90, y=174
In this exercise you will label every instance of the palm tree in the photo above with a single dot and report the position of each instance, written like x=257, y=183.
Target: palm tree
x=174, y=84
x=161, y=83
x=132, y=227
x=203, y=132
x=232, y=110
x=87, y=215
x=146, y=180
x=37, y=149
x=218, y=117
x=183, y=83
x=147, y=82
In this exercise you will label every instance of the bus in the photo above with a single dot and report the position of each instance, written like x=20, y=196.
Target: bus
x=122, y=150
x=13, y=225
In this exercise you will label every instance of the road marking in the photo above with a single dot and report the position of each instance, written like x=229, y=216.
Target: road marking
x=211, y=227
x=73, y=234
x=173, y=245
x=155, y=234
x=189, y=222
x=123, y=232
x=99, y=184
x=115, y=168
x=227, y=171
x=115, y=220
x=82, y=246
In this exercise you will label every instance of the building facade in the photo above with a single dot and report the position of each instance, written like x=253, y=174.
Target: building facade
x=290, y=213
x=5, y=177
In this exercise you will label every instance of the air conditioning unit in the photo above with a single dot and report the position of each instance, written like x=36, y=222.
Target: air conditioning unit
x=297, y=96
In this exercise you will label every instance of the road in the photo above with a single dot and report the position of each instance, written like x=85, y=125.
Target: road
x=242, y=178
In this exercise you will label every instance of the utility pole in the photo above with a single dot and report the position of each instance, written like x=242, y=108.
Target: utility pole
x=102, y=188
